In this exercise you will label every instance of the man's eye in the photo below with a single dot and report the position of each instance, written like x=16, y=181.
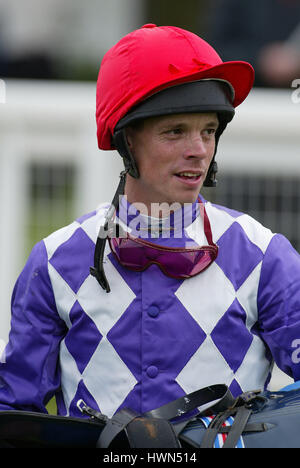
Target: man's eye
x=211, y=131
x=175, y=131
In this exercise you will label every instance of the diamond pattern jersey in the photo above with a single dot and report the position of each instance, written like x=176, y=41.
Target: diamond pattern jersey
x=153, y=338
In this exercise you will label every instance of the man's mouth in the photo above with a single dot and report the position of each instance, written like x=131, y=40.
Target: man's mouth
x=193, y=176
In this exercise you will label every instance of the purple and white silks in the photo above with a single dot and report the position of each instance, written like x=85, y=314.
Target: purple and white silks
x=153, y=338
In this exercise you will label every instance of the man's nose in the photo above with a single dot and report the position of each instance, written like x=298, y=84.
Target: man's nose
x=195, y=148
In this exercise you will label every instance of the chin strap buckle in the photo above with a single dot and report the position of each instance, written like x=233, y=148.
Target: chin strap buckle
x=211, y=178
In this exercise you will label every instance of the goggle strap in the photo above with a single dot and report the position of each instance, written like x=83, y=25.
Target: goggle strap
x=206, y=223
x=98, y=270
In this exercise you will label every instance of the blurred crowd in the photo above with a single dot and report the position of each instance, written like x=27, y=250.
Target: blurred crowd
x=265, y=33
x=65, y=40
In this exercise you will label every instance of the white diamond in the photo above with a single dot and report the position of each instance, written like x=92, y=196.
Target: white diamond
x=58, y=237
x=220, y=220
x=247, y=296
x=107, y=378
x=256, y=232
x=207, y=296
x=196, y=232
x=206, y=367
x=92, y=225
x=105, y=309
x=63, y=294
x=254, y=370
x=70, y=375
x=89, y=227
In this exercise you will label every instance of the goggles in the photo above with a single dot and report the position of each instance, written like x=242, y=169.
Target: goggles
x=138, y=254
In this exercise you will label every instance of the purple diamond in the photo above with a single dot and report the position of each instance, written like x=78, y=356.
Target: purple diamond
x=129, y=349
x=235, y=388
x=159, y=391
x=152, y=394
x=231, y=336
x=73, y=258
x=237, y=256
x=179, y=334
x=83, y=338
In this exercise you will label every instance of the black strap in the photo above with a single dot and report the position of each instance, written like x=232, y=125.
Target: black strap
x=120, y=142
x=98, y=270
x=124, y=418
x=194, y=400
x=250, y=427
x=141, y=432
x=211, y=179
x=213, y=429
x=114, y=426
x=241, y=418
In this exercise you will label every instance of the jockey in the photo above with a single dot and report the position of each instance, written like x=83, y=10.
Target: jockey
x=161, y=292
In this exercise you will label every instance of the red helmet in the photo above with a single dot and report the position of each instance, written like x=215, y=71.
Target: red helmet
x=151, y=59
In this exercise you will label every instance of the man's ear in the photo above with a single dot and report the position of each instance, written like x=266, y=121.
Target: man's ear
x=129, y=136
x=132, y=132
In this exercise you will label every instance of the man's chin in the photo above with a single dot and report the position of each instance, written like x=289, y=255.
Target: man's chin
x=188, y=197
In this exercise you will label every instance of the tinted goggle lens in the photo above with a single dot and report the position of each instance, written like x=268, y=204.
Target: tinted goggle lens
x=138, y=254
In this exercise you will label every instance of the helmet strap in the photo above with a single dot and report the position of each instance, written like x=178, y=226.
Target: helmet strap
x=211, y=180
x=120, y=142
x=211, y=177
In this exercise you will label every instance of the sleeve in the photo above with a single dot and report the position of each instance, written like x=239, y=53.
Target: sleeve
x=29, y=371
x=279, y=304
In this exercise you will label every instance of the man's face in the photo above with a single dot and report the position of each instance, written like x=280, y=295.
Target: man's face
x=173, y=154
